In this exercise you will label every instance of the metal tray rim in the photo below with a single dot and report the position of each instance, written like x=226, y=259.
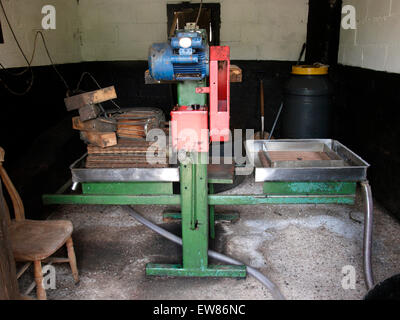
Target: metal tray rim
x=356, y=172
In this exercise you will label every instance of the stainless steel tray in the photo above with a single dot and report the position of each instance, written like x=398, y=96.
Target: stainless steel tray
x=216, y=173
x=82, y=174
x=354, y=168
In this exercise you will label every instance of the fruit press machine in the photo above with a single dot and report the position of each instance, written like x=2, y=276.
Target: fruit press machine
x=318, y=171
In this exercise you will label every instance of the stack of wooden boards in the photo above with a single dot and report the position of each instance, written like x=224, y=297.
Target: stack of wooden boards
x=117, y=140
x=93, y=127
x=137, y=122
x=127, y=154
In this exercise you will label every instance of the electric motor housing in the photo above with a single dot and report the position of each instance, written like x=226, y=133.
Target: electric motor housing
x=184, y=57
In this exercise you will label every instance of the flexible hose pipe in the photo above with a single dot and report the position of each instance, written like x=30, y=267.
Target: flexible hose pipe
x=368, y=225
x=274, y=290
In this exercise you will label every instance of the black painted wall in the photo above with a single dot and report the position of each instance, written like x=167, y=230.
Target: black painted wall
x=35, y=130
x=366, y=120
x=323, y=31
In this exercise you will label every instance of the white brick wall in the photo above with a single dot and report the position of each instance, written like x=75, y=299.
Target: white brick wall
x=26, y=17
x=104, y=30
x=255, y=29
x=376, y=42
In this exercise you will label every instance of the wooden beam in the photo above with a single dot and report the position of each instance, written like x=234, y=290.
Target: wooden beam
x=88, y=98
x=100, y=139
x=89, y=112
x=235, y=73
x=99, y=125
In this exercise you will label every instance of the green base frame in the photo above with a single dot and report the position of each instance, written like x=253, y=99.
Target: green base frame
x=198, y=205
x=176, y=270
x=234, y=216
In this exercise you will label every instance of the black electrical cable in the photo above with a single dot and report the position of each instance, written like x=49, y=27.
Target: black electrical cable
x=97, y=84
x=12, y=31
x=29, y=62
x=198, y=14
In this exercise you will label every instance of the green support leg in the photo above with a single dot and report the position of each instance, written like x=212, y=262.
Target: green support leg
x=175, y=270
x=194, y=208
x=195, y=227
x=212, y=213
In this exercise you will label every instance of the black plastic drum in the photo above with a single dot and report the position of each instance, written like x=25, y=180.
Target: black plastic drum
x=307, y=111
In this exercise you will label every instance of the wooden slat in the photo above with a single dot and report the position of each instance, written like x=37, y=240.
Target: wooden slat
x=235, y=73
x=89, y=112
x=88, y=98
x=123, y=146
x=100, y=139
x=90, y=164
x=297, y=155
x=99, y=125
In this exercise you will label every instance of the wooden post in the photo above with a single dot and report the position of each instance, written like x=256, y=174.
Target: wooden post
x=8, y=275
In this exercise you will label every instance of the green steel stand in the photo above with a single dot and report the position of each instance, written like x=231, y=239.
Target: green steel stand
x=212, y=213
x=169, y=216
x=195, y=227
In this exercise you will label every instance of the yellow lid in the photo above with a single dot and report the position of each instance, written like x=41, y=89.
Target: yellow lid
x=316, y=69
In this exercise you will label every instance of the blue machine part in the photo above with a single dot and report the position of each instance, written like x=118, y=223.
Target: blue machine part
x=172, y=61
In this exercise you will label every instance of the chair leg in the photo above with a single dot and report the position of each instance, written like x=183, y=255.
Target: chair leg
x=72, y=259
x=40, y=291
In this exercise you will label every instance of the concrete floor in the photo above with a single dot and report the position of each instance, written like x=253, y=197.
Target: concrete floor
x=301, y=248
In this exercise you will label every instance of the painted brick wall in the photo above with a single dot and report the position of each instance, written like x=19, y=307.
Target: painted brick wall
x=104, y=30
x=375, y=44
x=26, y=18
x=254, y=29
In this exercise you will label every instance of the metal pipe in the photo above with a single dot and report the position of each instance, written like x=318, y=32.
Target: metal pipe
x=74, y=186
x=276, y=121
x=272, y=287
x=368, y=228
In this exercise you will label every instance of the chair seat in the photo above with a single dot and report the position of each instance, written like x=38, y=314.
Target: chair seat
x=37, y=240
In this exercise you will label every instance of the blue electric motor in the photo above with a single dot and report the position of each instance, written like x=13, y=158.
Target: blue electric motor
x=185, y=57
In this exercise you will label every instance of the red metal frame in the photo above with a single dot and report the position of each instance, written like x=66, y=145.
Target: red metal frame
x=219, y=93
x=184, y=121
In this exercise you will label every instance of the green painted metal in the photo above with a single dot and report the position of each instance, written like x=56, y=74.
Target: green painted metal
x=187, y=95
x=194, y=208
x=220, y=181
x=227, y=216
x=212, y=213
x=257, y=199
x=316, y=188
x=176, y=270
x=129, y=188
x=49, y=199
x=217, y=216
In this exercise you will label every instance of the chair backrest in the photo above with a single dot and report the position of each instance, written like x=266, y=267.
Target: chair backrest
x=19, y=210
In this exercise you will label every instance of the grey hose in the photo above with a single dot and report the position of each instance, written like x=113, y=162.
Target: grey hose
x=368, y=223
x=255, y=273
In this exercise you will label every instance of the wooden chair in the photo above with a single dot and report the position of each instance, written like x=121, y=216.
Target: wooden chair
x=35, y=241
